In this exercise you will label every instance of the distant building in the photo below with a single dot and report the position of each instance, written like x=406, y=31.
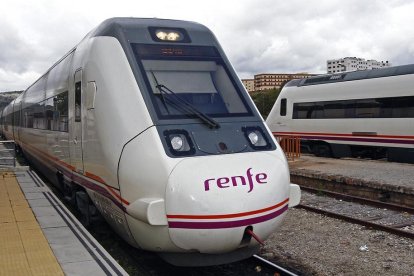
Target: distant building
x=353, y=64
x=271, y=81
x=249, y=84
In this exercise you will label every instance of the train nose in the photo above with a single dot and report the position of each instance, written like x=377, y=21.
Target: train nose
x=211, y=201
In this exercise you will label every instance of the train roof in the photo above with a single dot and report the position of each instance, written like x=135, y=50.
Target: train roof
x=115, y=26
x=119, y=28
x=355, y=75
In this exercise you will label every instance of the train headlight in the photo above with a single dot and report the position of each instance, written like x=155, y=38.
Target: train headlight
x=253, y=137
x=256, y=138
x=173, y=36
x=179, y=142
x=168, y=35
x=161, y=35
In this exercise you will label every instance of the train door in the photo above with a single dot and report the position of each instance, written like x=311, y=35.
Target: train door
x=282, y=116
x=76, y=137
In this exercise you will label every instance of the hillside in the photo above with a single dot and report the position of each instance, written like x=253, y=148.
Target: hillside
x=7, y=97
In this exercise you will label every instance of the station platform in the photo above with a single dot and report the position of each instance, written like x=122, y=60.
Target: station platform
x=39, y=235
x=387, y=181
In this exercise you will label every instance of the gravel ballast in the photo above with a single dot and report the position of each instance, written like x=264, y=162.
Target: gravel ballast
x=317, y=245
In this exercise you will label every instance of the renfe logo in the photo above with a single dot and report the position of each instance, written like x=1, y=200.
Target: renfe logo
x=234, y=181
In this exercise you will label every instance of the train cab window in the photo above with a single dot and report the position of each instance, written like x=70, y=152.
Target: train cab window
x=192, y=82
x=283, y=107
x=190, y=76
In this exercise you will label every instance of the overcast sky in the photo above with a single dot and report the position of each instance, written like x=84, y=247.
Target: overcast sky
x=275, y=36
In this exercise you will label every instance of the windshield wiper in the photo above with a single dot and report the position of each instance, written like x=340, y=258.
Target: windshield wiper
x=183, y=105
x=162, y=95
x=187, y=107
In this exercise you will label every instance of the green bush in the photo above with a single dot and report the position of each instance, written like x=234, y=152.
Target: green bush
x=265, y=100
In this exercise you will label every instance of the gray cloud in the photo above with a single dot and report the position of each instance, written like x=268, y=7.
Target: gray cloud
x=299, y=36
x=258, y=36
x=32, y=39
x=12, y=49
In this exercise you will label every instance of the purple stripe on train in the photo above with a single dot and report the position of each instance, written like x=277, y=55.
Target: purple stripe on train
x=92, y=186
x=365, y=139
x=226, y=224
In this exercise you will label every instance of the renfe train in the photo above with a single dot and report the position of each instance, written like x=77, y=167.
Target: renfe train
x=360, y=114
x=147, y=120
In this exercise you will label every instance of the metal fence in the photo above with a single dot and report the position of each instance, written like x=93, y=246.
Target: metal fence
x=290, y=145
x=7, y=153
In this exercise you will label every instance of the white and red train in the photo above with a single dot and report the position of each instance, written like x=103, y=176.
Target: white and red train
x=365, y=113
x=147, y=120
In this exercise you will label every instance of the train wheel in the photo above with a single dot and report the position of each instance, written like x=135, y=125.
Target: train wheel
x=86, y=208
x=322, y=150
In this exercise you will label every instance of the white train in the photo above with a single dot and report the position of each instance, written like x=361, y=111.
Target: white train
x=363, y=113
x=147, y=119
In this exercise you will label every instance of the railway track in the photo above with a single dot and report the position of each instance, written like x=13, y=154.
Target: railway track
x=138, y=262
x=391, y=218
x=362, y=200
x=278, y=269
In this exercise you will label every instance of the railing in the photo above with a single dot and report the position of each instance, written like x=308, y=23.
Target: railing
x=7, y=153
x=290, y=145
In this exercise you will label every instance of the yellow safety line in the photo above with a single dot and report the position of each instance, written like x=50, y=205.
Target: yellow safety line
x=24, y=249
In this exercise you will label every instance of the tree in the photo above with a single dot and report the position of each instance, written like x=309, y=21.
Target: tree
x=265, y=100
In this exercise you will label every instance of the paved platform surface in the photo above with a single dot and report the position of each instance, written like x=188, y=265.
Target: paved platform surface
x=378, y=174
x=39, y=236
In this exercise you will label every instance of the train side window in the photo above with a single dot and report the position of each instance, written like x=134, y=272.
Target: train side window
x=334, y=109
x=391, y=107
x=78, y=101
x=39, y=115
x=61, y=108
x=49, y=114
x=300, y=110
x=28, y=117
x=283, y=104
x=402, y=107
x=367, y=108
x=16, y=118
x=316, y=111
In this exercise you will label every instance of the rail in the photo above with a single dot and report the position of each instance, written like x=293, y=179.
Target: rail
x=362, y=222
x=373, y=223
x=280, y=270
x=290, y=145
x=7, y=153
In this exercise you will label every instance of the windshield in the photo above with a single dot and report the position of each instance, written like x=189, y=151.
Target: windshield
x=196, y=75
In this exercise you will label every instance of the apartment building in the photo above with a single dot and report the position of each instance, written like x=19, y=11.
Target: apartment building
x=270, y=81
x=249, y=84
x=348, y=64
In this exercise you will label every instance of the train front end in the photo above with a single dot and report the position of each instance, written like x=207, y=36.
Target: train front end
x=213, y=205
x=208, y=176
